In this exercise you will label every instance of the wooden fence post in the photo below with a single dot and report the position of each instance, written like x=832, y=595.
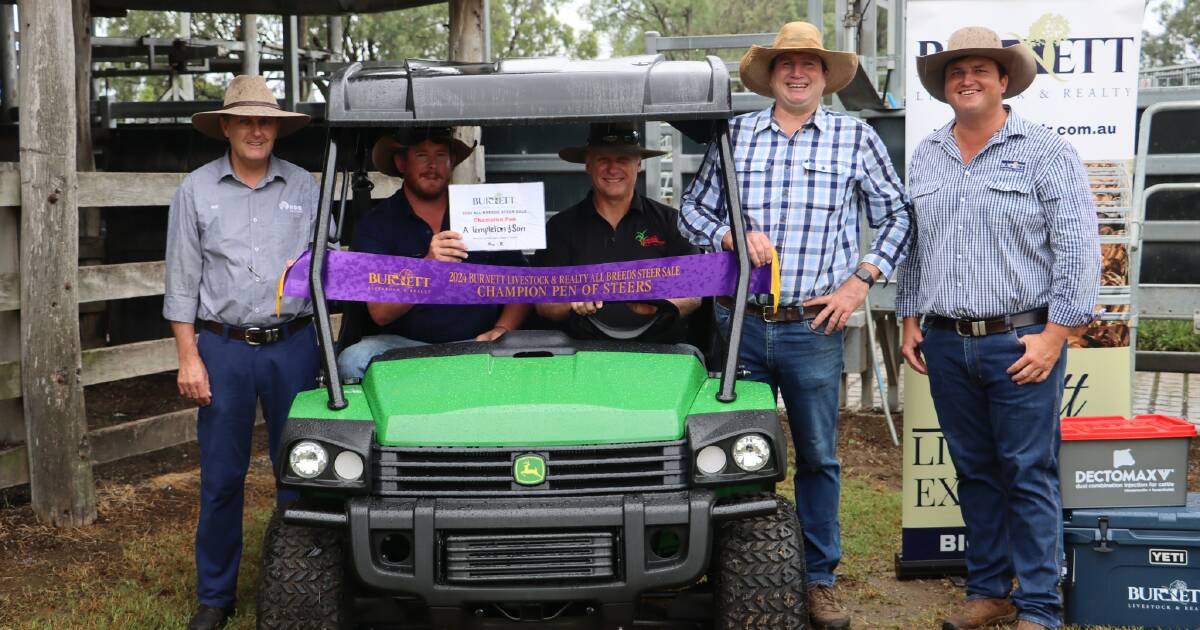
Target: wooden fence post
x=52, y=389
x=466, y=44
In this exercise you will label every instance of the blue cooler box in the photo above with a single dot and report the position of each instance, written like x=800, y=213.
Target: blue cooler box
x=1134, y=566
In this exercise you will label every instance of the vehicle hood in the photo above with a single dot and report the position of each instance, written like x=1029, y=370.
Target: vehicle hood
x=482, y=400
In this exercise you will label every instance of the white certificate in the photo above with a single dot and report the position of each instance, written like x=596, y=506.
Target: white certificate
x=495, y=217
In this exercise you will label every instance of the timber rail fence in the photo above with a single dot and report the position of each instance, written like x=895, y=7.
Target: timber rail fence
x=98, y=283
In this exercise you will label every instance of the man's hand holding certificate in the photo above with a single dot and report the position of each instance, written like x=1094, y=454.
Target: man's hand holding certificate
x=494, y=217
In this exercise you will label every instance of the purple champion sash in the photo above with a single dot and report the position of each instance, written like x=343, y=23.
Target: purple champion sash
x=363, y=277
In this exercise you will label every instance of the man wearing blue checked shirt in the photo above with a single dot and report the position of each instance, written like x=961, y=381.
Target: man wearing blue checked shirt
x=805, y=173
x=1005, y=264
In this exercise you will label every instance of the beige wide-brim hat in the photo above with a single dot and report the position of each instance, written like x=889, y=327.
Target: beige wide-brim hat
x=621, y=137
x=248, y=95
x=388, y=146
x=755, y=69
x=978, y=41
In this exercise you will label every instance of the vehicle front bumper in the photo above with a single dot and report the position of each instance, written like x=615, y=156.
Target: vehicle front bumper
x=633, y=520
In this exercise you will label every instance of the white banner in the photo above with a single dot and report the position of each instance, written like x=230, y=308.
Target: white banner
x=1087, y=52
x=1086, y=90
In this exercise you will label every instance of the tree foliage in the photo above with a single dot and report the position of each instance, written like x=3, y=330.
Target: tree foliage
x=421, y=33
x=625, y=21
x=519, y=28
x=1179, y=43
x=531, y=28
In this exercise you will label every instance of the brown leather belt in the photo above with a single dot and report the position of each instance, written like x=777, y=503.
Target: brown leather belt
x=769, y=314
x=256, y=335
x=981, y=327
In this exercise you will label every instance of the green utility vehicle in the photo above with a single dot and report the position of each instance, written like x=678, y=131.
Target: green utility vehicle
x=536, y=479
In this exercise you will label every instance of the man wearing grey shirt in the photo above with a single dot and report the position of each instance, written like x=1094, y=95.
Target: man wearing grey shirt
x=234, y=224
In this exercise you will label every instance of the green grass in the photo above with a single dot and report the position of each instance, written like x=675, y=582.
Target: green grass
x=154, y=588
x=151, y=583
x=1168, y=335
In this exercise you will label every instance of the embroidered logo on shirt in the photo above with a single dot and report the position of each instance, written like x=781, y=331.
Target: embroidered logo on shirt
x=1012, y=165
x=648, y=241
x=291, y=207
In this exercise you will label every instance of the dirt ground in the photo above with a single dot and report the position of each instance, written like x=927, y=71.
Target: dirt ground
x=141, y=496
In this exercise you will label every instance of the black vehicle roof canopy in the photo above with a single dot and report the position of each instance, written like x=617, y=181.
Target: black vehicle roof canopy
x=693, y=96
x=529, y=91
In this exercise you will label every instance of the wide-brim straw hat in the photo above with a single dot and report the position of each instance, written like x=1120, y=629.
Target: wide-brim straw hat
x=755, y=69
x=978, y=41
x=248, y=95
x=619, y=137
x=387, y=146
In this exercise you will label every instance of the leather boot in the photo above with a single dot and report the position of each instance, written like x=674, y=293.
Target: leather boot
x=825, y=612
x=981, y=613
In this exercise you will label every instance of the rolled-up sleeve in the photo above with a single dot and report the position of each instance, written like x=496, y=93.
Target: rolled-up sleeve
x=886, y=205
x=1074, y=238
x=702, y=213
x=181, y=295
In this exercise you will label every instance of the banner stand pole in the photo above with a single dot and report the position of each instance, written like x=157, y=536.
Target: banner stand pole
x=879, y=381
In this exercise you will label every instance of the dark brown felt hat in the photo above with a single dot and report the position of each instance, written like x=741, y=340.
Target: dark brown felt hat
x=386, y=147
x=618, y=137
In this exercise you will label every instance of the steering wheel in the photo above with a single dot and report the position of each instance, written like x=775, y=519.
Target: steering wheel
x=617, y=321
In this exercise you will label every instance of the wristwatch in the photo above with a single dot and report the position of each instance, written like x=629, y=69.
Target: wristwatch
x=866, y=276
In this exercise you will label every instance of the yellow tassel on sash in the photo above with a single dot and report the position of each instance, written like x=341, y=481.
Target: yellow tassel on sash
x=776, y=289
x=279, y=288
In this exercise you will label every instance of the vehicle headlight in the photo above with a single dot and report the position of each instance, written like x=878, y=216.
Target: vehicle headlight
x=308, y=459
x=751, y=452
x=711, y=460
x=348, y=466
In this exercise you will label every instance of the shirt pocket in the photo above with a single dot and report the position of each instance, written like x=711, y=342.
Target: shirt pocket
x=208, y=214
x=289, y=214
x=760, y=187
x=928, y=211
x=1010, y=204
x=828, y=182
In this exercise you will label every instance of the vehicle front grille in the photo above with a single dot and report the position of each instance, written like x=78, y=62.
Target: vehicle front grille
x=529, y=558
x=569, y=470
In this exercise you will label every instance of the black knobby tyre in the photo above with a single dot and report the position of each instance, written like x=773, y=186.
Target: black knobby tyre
x=301, y=581
x=758, y=572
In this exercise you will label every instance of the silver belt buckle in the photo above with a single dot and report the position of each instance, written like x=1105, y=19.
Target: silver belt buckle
x=978, y=328
x=253, y=330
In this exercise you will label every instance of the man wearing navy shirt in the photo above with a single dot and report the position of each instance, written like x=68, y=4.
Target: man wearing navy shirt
x=414, y=222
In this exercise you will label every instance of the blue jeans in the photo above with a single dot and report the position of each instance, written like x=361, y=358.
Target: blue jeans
x=240, y=375
x=353, y=361
x=806, y=367
x=1004, y=440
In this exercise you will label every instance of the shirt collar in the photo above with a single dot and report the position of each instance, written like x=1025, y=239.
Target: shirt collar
x=765, y=119
x=1014, y=126
x=635, y=204
x=273, y=170
x=402, y=205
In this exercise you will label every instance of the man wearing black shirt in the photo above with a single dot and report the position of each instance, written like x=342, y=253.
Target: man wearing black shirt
x=615, y=224
x=414, y=223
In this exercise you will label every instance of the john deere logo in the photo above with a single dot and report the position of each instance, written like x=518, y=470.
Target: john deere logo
x=529, y=470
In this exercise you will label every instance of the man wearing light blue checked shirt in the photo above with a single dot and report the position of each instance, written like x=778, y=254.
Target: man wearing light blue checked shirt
x=805, y=173
x=1005, y=265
